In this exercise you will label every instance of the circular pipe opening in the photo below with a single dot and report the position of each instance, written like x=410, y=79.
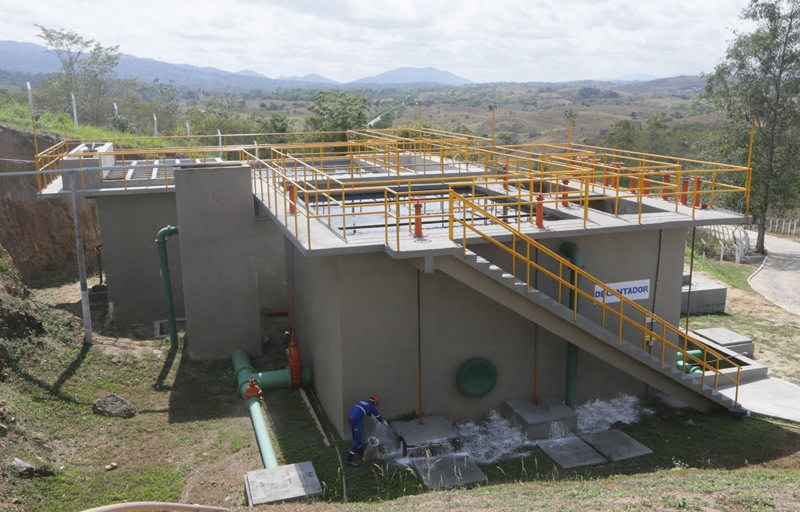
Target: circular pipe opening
x=477, y=377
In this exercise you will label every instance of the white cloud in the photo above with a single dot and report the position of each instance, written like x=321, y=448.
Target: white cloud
x=503, y=40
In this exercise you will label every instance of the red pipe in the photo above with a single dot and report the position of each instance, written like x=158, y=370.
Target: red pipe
x=292, y=197
x=633, y=181
x=564, y=193
x=698, y=183
x=418, y=220
x=505, y=177
x=539, y=211
x=665, y=190
x=685, y=190
x=645, y=182
x=419, y=387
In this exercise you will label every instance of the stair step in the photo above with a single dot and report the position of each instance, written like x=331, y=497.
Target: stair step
x=690, y=380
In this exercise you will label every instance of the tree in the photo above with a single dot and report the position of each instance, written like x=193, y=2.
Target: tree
x=87, y=70
x=760, y=80
x=335, y=110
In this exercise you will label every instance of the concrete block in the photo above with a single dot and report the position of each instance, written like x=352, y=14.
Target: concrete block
x=548, y=418
x=453, y=470
x=731, y=340
x=571, y=452
x=616, y=445
x=707, y=297
x=273, y=485
x=435, y=435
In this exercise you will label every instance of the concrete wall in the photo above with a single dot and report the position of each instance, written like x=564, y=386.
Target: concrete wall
x=218, y=252
x=270, y=265
x=357, y=325
x=319, y=333
x=129, y=225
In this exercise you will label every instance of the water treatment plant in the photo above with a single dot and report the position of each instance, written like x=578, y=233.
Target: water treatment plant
x=449, y=275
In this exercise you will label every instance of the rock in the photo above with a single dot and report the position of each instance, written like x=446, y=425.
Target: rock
x=3, y=430
x=26, y=469
x=111, y=467
x=114, y=405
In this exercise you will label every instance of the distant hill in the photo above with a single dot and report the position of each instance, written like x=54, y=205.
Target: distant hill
x=414, y=76
x=692, y=84
x=312, y=78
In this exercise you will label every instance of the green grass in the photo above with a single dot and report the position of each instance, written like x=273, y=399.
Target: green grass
x=729, y=273
x=78, y=489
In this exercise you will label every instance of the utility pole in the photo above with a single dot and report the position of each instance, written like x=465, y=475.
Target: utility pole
x=87, y=315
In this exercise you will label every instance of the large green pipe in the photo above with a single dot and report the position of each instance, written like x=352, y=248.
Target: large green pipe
x=570, y=250
x=262, y=436
x=243, y=371
x=161, y=240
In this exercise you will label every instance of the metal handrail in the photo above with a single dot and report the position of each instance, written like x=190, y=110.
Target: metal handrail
x=623, y=318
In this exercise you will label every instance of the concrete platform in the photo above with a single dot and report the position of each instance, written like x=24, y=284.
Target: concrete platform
x=616, y=445
x=707, y=297
x=770, y=397
x=731, y=340
x=436, y=435
x=571, y=452
x=453, y=470
x=284, y=483
x=549, y=418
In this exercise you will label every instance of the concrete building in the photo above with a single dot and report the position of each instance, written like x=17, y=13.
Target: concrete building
x=440, y=271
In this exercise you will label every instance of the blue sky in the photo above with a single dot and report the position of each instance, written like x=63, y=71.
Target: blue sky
x=483, y=40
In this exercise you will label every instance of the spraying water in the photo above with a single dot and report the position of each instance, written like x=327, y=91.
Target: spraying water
x=492, y=439
x=598, y=416
x=495, y=438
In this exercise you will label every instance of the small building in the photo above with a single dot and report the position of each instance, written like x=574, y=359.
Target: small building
x=442, y=272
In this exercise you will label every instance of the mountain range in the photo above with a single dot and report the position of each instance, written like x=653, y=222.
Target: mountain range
x=30, y=58
x=33, y=58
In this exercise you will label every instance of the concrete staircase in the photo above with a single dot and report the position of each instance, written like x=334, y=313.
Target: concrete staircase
x=503, y=287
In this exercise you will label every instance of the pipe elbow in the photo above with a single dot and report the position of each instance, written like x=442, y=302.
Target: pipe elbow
x=165, y=232
x=571, y=251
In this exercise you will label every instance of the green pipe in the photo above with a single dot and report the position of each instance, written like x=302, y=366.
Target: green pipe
x=570, y=250
x=260, y=428
x=243, y=370
x=161, y=240
x=685, y=366
x=276, y=379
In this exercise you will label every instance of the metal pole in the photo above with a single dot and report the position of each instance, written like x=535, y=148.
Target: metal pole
x=155, y=126
x=74, y=110
x=219, y=134
x=689, y=295
x=87, y=316
x=30, y=97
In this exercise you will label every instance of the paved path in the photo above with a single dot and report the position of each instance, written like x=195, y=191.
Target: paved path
x=779, y=280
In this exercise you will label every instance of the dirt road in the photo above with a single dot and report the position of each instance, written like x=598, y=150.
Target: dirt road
x=779, y=279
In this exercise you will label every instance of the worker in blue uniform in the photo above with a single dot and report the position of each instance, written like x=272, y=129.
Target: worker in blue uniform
x=355, y=418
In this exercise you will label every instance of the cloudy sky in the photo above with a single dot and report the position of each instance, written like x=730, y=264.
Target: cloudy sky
x=482, y=40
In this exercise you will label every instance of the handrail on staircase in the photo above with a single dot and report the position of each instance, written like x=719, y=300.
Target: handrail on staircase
x=461, y=204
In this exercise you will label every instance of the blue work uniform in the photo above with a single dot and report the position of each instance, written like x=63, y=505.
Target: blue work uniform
x=356, y=417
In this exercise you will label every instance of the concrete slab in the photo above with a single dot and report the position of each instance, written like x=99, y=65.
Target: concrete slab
x=549, y=418
x=770, y=397
x=707, y=297
x=273, y=485
x=453, y=470
x=571, y=452
x=616, y=445
x=729, y=339
x=435, y=435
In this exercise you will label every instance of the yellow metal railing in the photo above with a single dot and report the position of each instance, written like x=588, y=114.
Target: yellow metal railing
x=649, y=326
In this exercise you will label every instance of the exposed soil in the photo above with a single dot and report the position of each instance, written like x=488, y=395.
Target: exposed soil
x=775, y=330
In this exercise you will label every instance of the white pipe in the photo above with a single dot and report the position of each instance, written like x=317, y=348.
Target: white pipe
x=155, y=505
x=74, y=110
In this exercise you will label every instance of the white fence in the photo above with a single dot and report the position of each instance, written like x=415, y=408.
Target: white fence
x=733, y=240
